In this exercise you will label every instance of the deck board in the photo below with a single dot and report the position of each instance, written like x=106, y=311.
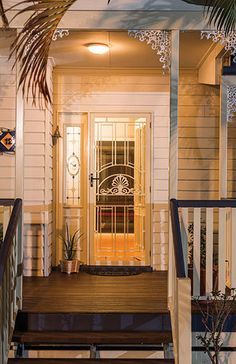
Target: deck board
x=85, y=293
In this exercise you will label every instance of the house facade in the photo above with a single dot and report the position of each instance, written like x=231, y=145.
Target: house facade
x=89, y=92
x=128, y=130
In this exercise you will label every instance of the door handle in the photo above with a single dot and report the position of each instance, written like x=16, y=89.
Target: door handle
x=91, y=178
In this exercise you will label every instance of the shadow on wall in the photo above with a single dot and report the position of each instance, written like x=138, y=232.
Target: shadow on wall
x=232, y=159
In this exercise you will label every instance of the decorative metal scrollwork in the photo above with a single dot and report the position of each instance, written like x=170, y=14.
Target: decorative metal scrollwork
x=231, y=102
x=120, y=187
x=60, y=33
x=228, y=41
x=159, y=41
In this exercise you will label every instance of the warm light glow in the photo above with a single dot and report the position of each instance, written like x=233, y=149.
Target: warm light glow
x=98, y=48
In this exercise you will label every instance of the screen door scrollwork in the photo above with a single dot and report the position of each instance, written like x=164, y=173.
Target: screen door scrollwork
x=119, y=211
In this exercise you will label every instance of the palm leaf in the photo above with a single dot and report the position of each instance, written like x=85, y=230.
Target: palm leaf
x=3, y=15
x=220, y=13
x=32, y=44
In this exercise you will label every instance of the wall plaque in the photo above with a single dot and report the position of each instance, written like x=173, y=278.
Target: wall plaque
x=7, y=140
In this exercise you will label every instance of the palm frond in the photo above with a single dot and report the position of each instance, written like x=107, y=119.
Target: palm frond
x=220, y=13
x=32, y=44
x=3, y=15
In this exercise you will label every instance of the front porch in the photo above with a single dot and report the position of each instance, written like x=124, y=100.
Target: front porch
x=85, y=293
x=106, y=317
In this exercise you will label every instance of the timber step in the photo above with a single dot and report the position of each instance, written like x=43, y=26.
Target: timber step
x=90, y=361
x=92, y=337
x=78, y=321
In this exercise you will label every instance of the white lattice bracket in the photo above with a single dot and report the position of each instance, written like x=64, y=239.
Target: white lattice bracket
x=60, y=33
x=231, y=102
x=228, y=41
x=160, y=42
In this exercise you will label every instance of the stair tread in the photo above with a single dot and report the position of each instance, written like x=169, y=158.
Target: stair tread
x=91, y=361
x=92, y=337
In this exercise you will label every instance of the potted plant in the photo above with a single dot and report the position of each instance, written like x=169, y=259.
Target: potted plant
x=70, y=264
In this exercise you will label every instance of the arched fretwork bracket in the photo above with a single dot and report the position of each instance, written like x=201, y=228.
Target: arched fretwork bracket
x=159, y=40
x=228, y=41
x=231, y=102
x=60, y=33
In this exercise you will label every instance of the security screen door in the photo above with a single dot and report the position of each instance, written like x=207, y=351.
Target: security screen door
x=120, y=190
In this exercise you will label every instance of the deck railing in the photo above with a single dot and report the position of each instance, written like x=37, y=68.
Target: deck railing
x=204, y=248
x=11, y=257
x=179, y=295
x=206, y=231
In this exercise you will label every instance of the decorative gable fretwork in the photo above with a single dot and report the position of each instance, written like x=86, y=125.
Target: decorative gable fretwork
x=231, y=102
x=228, y=41
x=160, y=42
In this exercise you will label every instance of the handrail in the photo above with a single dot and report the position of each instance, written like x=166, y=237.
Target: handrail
x=10, y=233
x=177, y=240
x=179, y=293
x=206, y=203
x=7, y=201
x=11, y=263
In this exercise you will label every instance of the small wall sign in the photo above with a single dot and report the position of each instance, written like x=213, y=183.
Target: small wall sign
x=7, y=140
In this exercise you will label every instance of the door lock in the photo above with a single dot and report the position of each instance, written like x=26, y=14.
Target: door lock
x=91, y=178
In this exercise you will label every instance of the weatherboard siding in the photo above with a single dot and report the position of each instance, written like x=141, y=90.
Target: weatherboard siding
x=7, y=120
x=198, y=139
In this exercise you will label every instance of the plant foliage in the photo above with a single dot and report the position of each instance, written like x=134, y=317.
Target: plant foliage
x=33, y=42
x=220, y=13
x=70, y=243
x=202, y=245
x=215, y=311
x=3, y=15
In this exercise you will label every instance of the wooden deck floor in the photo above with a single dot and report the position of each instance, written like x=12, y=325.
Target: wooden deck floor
x=85, y=293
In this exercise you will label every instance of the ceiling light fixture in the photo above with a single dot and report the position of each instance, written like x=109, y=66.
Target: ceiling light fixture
x=98, y=48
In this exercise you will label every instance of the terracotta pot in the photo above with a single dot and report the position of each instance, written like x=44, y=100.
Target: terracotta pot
x=70, y=266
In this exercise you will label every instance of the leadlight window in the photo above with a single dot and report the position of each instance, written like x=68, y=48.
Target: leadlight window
x=73, y=170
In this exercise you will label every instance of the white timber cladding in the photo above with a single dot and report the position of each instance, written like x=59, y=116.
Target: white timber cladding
x=123, y=92
x=199, y=107
x=38, y=188
x=7, y=120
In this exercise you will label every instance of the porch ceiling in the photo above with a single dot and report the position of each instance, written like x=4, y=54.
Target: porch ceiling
x=125, y=52
x=169, y=5
x=125, y=14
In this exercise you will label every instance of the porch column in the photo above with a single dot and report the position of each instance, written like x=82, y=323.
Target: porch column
x=174, y=98
x=19, y=177
x=223, y=140
x=173, y=157
x=19, y=188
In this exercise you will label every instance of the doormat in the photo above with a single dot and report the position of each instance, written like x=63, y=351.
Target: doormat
x=114, y=270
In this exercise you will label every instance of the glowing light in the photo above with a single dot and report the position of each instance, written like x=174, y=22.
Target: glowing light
x=98, y=48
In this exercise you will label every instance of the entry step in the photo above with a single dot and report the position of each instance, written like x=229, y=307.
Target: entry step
x=90, y=361
x=92, y=338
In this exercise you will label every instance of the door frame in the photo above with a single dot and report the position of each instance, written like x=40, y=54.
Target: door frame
x=148, y=197
x=58, y=182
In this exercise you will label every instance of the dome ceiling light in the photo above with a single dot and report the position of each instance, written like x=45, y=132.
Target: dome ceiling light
x=98, y=48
